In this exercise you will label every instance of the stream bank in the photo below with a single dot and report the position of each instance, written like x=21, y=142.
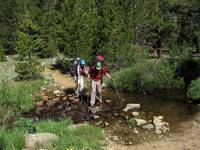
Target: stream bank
x=180, y=116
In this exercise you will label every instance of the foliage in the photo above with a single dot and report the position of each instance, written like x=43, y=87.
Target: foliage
x=80, y=137
x=29, y=69
x=2, y=54
x=146, y=76
x=194, y=90
x=25, y=124
x=15, y=99
x=11, y=139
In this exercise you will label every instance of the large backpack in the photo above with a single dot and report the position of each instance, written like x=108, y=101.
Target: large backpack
x=74, y=67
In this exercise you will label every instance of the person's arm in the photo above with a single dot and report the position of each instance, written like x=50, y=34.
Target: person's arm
x=108, y=76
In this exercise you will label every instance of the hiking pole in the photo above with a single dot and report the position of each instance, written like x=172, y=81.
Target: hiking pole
x=119, y=97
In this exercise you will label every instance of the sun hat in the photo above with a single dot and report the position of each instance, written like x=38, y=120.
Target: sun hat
x=98, y=66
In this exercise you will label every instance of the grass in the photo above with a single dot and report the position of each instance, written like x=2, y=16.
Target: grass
x=87, y=136
x=16, y=98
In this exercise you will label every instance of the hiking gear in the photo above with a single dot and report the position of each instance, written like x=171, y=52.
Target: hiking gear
x=82, y=62
x=98, y=66
x=74, y=67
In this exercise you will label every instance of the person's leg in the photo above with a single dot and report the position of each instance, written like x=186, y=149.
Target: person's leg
x=99, y=90
x=81, y=86
x=93, y=93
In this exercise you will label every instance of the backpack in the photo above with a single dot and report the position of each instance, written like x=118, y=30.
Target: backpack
x=74, y=67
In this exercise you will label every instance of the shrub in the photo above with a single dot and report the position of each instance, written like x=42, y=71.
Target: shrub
x=146, y=76
x=194, y=90
x=28, y=69
x=2, y=54
x=25, y=124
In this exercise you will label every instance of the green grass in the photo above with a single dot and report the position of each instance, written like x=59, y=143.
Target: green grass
x=82, y=137
x=87, y=136
x=16, y=98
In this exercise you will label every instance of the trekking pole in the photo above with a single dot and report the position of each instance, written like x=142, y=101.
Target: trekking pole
x=119, y=97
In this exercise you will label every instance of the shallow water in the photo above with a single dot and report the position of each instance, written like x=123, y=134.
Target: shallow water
x=170, y=104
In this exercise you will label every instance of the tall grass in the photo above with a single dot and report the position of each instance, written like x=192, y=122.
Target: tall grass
x=16, y=98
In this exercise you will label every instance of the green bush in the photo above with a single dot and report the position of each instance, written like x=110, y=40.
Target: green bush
x=26, y=124
x=16, y=99
x=2, y=54
x=146, y=76
x=28, y=69
x=194, y=90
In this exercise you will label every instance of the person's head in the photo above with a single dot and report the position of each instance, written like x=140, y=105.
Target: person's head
x=98, y=65
x=82, y=62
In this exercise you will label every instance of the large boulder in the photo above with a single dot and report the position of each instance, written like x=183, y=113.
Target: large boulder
x=132, y=107
x=42, y=139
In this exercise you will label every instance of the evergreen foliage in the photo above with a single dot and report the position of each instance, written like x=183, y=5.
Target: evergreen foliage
x=194, y=90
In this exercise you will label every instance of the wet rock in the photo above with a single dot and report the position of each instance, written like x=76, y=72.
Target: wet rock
x=148, y=127
x=135, y=114
x=106, y=124
x=39, y=109
x=51, y=103
x=40, y=103
x=65, y=98
x=57, y=92
x=95, y=109
x=141, y=122
x=71, y=98
x=60, y=107
x=76, y=101
x=108, y=101
x=43, y=139
x=157, y=131
x=160, y=125
x=45, y=98
x=96, y=116
x=99, y=123
x=135, y=131
x=132, y=107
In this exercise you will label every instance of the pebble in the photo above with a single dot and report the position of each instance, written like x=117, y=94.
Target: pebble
x=135, y=131
x=106, y=124
x=158, y=131
x=135, y=114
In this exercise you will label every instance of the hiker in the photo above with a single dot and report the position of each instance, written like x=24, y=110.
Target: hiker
x=158, y=48
x=95, y=74
x=81, y=71
x=74, y=73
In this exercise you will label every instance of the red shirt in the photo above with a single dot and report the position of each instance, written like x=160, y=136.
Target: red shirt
x=97, y=74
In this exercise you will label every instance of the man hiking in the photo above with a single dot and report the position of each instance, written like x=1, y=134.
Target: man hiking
x=96, y=73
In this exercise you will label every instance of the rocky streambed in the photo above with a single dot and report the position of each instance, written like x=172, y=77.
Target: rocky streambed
x=133, y=123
